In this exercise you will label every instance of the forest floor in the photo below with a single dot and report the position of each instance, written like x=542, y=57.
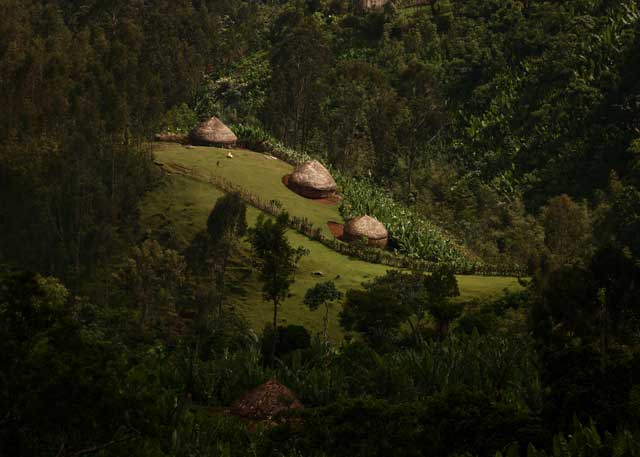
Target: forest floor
x=182, y=204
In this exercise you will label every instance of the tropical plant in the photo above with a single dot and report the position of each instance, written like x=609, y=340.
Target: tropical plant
x=411, y=234
x=583, y=441
x=277, y=263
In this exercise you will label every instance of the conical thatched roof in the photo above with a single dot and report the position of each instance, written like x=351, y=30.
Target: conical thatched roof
x=366, y=227
x=313, y=180
x=213, y=132
x=265, y=402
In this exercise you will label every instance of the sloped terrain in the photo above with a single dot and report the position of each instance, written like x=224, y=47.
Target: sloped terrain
x=182, y=204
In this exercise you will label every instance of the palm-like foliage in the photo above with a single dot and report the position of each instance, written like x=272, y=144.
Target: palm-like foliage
x=501, y=366
x=413, y=235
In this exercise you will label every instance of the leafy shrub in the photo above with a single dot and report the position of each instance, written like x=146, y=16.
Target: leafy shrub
x=580, y=379
x=290, y=338
x=453, y=422
x=179, y=119
x=257, y=139
x=585, y=440
x=502, y=367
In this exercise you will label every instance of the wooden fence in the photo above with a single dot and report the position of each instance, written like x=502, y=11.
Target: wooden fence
x=358, y=251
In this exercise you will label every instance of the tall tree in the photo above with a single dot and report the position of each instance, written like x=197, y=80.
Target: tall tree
x=153, y=275
x=322, y=294
x=411, y=293
x=441, y=287
x=299, y=60
x=277, y=263
x=424, y=121
x=376, y=313
x=226, y=225
x=418, y=294
x=567, y=229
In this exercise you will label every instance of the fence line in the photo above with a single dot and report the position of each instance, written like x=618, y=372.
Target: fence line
x=361, y=252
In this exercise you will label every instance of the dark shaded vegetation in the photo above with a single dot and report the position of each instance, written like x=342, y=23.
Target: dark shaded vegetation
x=513, y=125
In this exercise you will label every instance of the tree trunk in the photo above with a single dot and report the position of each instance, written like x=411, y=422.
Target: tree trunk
x=221, y=296
x=416, y=333
x=604, y=330
x=326, y=324
x=210, y=298
x=275, y=333
x=144, y=315
x=409, y=161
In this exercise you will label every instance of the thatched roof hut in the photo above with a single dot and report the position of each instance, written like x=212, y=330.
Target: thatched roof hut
x=265, y=402
x=312, y=180
x=213, y=133
x=366, y=227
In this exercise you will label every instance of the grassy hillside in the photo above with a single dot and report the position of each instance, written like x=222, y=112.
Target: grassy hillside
x=182, y=205
x=255, y=172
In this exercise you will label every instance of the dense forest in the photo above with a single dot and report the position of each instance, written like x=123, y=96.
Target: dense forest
x=490, y=136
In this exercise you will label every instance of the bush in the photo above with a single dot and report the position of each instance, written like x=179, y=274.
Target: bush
x=454, y=422
x=179, y=119
x=580, y=379
x=290, y=338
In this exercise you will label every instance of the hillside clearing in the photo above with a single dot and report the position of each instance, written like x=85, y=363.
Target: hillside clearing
x=258, y=173
x=182, y=204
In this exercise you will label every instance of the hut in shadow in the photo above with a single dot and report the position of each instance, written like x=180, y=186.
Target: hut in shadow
x=312, y=180
x=265, y=402
x=366, y=227
x=213, y=132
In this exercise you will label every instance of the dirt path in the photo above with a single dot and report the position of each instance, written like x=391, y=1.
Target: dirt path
x=337, y=229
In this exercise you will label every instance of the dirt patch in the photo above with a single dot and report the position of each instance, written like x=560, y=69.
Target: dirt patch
x=335, y=199
x=332, y=200
x=337, y=229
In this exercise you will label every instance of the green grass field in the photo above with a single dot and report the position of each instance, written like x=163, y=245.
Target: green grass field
x=253, y=171
x=183, y=204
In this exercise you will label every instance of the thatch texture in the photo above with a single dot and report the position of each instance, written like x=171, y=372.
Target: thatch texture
x=366, y=227
x=213, y=133
x=312, y=180
x=265, y=402
x=171, y=138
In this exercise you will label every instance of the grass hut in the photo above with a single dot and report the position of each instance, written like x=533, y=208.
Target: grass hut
x=366, y=227
x=312, y=180
x=265, y=402
x=213, y=133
